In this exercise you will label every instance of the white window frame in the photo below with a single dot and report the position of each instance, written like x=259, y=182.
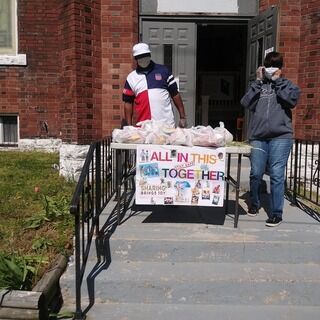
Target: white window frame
x=10, y=56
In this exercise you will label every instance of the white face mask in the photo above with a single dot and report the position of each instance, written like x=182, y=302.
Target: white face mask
x=268, y=72
x=144, y=62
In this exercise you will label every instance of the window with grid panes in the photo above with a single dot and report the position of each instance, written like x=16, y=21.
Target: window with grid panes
x=8, y=129
x=8, y=27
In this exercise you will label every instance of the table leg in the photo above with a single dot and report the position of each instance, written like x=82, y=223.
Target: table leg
x=118, y=182
x=227, y=186
x=118, y=172
x=236, y=209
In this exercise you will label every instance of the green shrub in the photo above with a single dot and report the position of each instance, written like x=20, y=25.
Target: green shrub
x=17, y=272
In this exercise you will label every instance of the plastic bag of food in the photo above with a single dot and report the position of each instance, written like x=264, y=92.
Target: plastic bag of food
x=221, y=135
x=209, y=137
x=202, y=136
x=180, y=137
x=157, y=135
x=157, y=131
x=128, y=134
x=156, y=138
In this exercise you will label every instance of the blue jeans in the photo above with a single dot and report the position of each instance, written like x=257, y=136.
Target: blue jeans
x=275, y=154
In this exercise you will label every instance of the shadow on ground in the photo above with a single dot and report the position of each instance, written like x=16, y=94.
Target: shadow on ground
x=186, y=214
x=103, y=251
x=155, y=214
x=264, y=198
x=295, y=201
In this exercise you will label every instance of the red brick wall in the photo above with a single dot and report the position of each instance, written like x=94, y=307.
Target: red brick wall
x=79, y=54
x=67, y=79
x=32, y=91
x=80, y=82
x=299, y=33
x=308, y=113
x=119, y=33
x=61, y=85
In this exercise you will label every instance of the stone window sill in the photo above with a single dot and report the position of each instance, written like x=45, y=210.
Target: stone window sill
x=16, y=60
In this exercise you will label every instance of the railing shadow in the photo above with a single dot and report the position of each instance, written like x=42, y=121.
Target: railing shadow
x=155, y=214
x=103, y=251
x=301, y=205
x=265, y=203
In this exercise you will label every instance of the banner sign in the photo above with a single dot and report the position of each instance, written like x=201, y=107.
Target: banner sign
x=177, y=175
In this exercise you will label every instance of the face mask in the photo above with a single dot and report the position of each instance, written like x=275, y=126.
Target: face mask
x=143, y=62
x=268, y=72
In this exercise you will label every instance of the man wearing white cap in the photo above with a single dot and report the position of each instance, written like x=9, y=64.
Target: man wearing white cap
x=150, y=89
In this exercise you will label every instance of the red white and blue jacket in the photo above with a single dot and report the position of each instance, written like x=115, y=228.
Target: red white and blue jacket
x=150, y=90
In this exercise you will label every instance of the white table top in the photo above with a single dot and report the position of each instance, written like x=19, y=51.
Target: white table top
x=234, y=149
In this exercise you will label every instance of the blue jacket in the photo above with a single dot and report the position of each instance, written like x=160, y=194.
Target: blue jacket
x=270, y=104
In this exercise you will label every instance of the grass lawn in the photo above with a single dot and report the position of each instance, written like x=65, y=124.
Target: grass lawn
x=35, y=223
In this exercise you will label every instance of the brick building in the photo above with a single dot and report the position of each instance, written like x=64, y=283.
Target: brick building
x=63, y=63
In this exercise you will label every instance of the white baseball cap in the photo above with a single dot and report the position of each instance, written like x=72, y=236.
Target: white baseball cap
x=140, y=48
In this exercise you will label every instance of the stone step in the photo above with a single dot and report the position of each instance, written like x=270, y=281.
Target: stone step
x=189, y=263
x=147, y=311
x=201, y=283
x=187, y=220
x=216, y=234
x=294, y=241
x=194, y=271
x=203, y=251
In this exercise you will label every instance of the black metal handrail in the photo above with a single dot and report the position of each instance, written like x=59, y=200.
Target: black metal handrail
x=95, y=188
x=303, y=176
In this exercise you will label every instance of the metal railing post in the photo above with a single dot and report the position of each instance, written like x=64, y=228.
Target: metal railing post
x=295, y=178
x=98, y=185
x=88, y=200
x=78, y=311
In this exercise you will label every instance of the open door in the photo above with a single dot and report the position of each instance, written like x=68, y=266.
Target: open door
x=173, y=44
x=262, y=38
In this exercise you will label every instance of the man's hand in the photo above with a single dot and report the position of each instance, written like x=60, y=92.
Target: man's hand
x=182, y=123
x=179, y=104
x=128, y=111
x=259, y=73
x=276, y=75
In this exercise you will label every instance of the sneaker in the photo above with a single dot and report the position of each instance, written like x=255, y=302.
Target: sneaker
x=252, y=212
x=273, y=221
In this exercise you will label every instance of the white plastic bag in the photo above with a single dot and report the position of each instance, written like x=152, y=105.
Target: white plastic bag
x=209, y=137
x=202, y=136
x=222, y=135
x=128, y=134
x=156, y=137
x=157, y=132
x=180, y=137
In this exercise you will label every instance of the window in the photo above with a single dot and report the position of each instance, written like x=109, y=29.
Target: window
x=8, y=130
x=9, y=35
x=8, y=27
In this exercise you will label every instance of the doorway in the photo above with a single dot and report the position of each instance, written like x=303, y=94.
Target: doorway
x=173, y=43
x=221, y=75
x=213, y=60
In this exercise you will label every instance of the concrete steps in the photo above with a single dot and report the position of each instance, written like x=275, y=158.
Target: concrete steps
x=139, y=311
x=162, y=266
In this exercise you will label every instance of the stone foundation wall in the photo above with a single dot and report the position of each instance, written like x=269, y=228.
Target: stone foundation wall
x=71, y=157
